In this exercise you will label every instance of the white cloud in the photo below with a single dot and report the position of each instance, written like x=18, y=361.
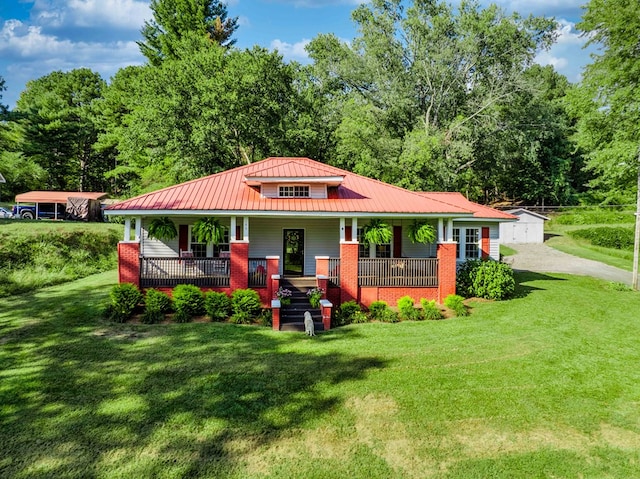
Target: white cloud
x=546, y=58
x=119, y=14
x=320, y=3
x=291, y=51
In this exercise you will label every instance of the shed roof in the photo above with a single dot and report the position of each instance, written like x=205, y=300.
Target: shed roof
x=231, y=191
x=57, y=196
x=520, y=211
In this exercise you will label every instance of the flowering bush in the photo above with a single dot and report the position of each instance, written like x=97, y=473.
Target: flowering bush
x=284, y=295
x=315, y=295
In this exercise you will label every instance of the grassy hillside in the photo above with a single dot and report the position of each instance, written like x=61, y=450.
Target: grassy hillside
x=34, y=254
x=544, y=385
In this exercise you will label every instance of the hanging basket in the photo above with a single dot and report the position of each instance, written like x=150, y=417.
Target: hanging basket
x=376, y=232
x=421, y=232
x=209, y=230
x=162, y=228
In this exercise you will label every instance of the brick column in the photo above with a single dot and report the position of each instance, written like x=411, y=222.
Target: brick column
x=129, y=262
x=446, y=270
x=325, y=308
x=239, y=266
x=275, y=314
x=349, y=271
x=322, y=282
x=322, y=265
x=273, y=265
x=486, y=246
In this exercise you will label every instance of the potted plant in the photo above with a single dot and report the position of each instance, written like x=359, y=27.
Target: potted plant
x=421, y=232
x=209, y=230
x=376, y=232
x=162, y=228
x=284, y=295
x=315, y=295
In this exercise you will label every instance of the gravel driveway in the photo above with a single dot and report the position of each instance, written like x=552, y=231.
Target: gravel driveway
x=541, y=258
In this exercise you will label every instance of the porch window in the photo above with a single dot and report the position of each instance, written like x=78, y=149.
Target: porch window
x=373, y=250
x=467, y=243
x=204, y=250
x=293, y=191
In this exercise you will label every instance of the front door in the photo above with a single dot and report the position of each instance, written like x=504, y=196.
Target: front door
x=293, y=242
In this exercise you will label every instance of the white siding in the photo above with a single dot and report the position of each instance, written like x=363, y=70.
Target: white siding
x=152, y=247
x=528, y=229
x=321, y=238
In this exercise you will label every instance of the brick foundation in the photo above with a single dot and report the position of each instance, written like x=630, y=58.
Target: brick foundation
x=239, y=267
x=446, y=270
x=392, y=295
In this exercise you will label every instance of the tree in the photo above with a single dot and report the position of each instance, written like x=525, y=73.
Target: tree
x=207, y=110
x=56, y=117
x=173, y=19
x=607, y=103
x=421, y=87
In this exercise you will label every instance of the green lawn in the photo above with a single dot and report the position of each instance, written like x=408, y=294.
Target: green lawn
x=545, y=385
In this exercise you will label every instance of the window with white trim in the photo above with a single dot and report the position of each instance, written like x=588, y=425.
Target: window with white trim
x=293, y=191
x=373, y=250
x=467, y=243
x=209, y=250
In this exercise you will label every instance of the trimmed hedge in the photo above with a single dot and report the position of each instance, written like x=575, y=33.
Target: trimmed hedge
x=124, y=299
x=607, y=236
x=188, y=301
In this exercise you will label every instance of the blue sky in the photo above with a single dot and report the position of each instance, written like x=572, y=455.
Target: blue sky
x=41, y=36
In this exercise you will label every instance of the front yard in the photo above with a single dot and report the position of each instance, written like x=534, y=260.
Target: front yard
x=544, y=385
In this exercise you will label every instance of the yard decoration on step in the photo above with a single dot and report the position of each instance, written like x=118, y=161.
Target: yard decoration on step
x=284, y=295
x=315, y=295
x=162, y=228
x=421, y=232
x=209, y=230
x=376, y=232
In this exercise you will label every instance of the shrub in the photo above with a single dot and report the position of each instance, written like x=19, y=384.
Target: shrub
x=359, y=317
x=407, y=310
x=429, y=310
x=346, y=311
x=455, y=303
x=217, y=305
x=188, y=301
x=485, y=279
x=377, y=310
x=594, y=216
x=389, y=316
x=156, y=304
x=124, y=299
x=607, y=237
x=265, y=318
x=246, y=306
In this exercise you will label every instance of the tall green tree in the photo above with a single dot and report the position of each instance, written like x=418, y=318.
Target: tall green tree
x=56, y=116
x=206, y=110
x=422, y=86
x=172, y=19
x=607, y=103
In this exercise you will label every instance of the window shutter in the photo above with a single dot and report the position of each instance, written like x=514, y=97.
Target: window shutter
x=397, y=241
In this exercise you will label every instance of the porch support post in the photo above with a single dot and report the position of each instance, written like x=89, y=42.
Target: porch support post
x=274, y=279
x=129, y=262
x=127, y=228
x=440, y=230
x=354, y=229
x=245, y=228
x=138, y=228
x=239, y=270
x=322, y=265
x=349, y=271
x=446, y=270
x=232, y=230
x=342, y=230
x=449, y=231
x=273, y=265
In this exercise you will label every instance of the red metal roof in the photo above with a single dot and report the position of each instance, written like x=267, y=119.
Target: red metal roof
x=57, y=196
x=228, y=191
x=479, y=211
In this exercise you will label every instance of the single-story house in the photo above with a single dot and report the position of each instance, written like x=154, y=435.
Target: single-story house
x=529, y=228
x=296, y=217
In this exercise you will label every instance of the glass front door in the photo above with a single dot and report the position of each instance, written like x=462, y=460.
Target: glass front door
x=293, y=252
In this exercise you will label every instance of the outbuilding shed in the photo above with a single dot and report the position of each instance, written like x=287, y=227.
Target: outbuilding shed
x=529, y=228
